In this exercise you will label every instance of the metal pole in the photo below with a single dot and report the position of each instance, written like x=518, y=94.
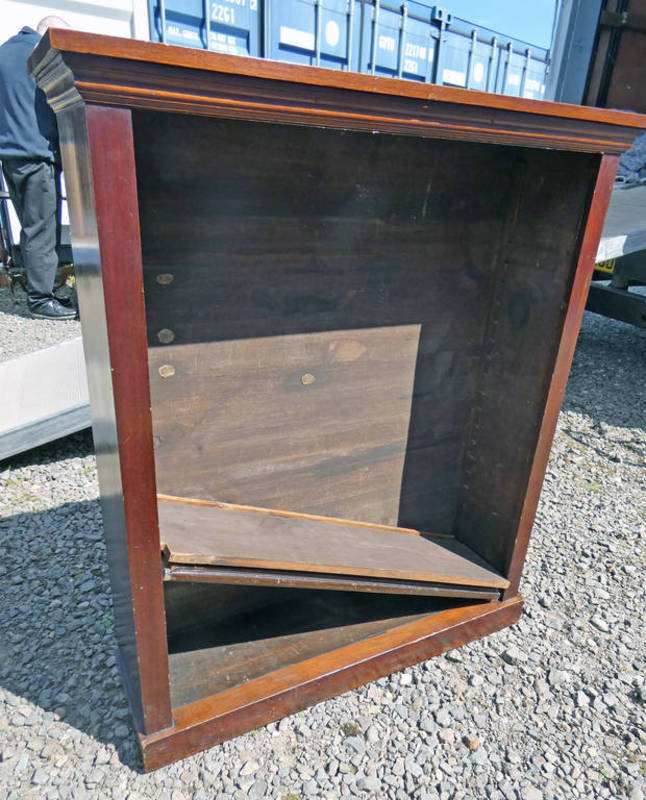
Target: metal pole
x=506, y=67
x=162, y=13
x=375, y=27
x=317, y=33
x=523, y=81
x=499, y=61
x=472, y=55
x=266, y=32
x=402, y=40
x=490, y=71
x=207, y=23
x=350, y=33
x=437, y=74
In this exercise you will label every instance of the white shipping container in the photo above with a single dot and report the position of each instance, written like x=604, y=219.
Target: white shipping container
x=127, y=18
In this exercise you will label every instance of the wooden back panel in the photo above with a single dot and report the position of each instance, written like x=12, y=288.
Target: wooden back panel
x=328, y=310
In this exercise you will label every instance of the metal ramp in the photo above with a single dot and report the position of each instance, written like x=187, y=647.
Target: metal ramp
x=44, y=397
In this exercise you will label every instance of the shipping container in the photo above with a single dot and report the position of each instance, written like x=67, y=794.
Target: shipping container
x=411, y=40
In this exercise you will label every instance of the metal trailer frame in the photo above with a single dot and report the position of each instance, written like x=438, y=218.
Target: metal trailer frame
x=615, y=299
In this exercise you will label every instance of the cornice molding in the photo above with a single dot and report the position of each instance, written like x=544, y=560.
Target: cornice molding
x=57, y=81
x=73, y=67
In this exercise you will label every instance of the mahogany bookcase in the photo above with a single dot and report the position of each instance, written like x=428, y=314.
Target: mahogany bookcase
x=328, y=321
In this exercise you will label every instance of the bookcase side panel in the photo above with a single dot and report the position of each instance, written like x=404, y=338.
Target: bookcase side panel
x=115, y=194
x=531, y=294
x=99, y=169
x=578, y=294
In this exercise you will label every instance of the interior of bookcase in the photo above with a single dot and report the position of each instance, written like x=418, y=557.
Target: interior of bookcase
x=222, y=636
x=351, y=338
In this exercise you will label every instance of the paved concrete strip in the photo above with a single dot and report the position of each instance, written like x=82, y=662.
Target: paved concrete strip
x=43, y=397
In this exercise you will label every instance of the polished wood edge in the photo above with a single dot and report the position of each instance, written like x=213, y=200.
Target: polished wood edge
x=235, y=711
x=72, y=127
x=322, y=580
x=112, y=160
x=585, y=267
x=276, y=512
x=116, y=47
x=263, y=91
x=132, y=694
x=174, y=558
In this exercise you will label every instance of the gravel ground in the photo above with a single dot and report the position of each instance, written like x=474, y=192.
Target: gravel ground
x=21, y=333
x=552, y=708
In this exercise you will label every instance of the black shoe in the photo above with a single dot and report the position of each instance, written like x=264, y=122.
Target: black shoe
x=51, y=309
x=67, y=302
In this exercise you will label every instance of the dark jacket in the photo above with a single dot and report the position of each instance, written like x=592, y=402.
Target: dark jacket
x=27, y=123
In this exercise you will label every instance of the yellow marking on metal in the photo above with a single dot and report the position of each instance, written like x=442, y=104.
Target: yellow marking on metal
x=606, y=266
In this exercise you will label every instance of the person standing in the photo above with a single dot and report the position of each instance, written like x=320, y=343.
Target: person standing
x=31, y=164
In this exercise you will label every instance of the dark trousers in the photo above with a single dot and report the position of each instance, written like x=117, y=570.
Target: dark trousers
x=34, y=188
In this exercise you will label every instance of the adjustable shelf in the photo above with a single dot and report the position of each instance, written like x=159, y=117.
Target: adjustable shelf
x=321, y=580
x=202, y=534
x=328, y=321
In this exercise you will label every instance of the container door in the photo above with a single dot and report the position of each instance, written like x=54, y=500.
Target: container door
x=398, y=41
x=456, y=50
x=231, y=26
x=319, y=33
x=521, y=73
x=484, y=61
x=535, y=80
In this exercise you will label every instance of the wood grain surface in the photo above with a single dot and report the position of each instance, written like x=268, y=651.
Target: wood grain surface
x=196, y=674
x=115, y=198
x=590, y=234
x=222, y=636
x=193, y=534
x=327, y=303
x=528, y=304
x=98, y=157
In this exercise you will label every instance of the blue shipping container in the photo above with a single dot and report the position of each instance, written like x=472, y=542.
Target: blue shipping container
x=412, y=40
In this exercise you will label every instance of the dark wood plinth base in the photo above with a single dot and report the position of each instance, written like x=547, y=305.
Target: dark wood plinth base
x=230, y=713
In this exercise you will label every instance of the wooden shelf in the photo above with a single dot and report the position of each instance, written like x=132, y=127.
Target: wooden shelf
x=203, y=533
